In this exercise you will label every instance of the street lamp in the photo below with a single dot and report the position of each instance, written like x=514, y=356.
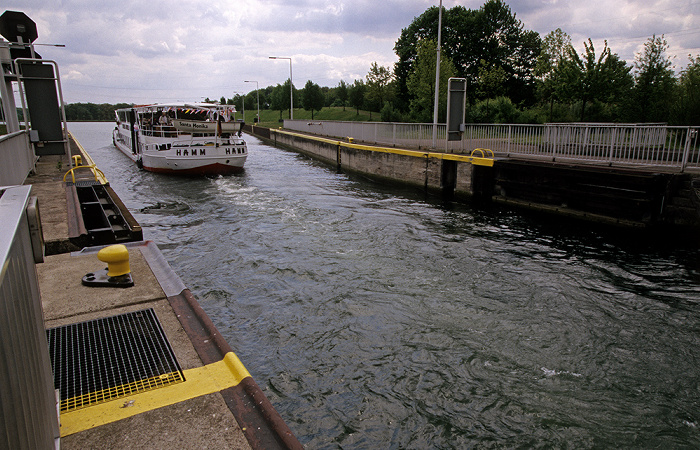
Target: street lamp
x=291, y=86
x=257, y=92
x=437, y=78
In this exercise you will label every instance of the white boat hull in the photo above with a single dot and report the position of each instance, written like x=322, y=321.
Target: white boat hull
x=193, y=157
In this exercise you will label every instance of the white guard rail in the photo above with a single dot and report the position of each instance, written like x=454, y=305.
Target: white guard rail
x=28, y=415
x=677, y=148
x=16, y=158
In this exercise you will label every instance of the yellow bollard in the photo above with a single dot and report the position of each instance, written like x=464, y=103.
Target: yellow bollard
x=77, y=160
x=117, y=259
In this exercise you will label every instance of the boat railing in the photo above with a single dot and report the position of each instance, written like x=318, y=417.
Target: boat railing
x=166, y=131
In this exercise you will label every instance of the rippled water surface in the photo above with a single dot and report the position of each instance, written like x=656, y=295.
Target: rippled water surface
x=374, y=317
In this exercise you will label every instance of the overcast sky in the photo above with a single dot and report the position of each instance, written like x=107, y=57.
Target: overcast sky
x=167, y=51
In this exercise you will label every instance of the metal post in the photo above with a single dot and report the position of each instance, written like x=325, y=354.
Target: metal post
x=689, y=135
x=291, y=86
x=8, y=99
x=437, y=78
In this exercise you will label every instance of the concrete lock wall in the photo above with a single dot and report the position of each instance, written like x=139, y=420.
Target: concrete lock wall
x=422, y=169
x=597, y=193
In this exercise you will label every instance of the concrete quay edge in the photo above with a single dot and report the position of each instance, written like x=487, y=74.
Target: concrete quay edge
x=232, y=414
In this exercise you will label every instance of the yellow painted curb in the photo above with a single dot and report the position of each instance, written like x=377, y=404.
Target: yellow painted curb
x=478, y=161
x=199, y=381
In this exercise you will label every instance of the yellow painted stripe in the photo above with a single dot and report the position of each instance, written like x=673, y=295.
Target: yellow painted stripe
x=199, y=381
x=112, y=393
x=479, y=161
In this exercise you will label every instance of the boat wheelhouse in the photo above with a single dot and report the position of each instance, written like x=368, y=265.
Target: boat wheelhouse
x=188, y=138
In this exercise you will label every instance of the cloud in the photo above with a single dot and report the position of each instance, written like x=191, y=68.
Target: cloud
x=625, y=24
x=163, y=50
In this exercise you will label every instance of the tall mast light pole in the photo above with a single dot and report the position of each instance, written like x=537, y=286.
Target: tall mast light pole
x=437, y=78
x=291, y=86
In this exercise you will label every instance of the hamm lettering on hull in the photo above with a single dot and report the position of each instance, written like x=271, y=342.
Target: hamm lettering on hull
x=192, y=152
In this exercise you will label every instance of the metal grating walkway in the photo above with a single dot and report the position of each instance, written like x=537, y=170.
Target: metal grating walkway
x=104, y=359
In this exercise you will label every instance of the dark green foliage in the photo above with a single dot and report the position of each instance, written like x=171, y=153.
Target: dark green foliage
x=357, y=95
x=92, y=111
x=378, y=86
x=492, y=34
x=389, y=114
x=652, y=95
x=342, y=93
x=312, y=98
x=590, y=80
x=686, y=108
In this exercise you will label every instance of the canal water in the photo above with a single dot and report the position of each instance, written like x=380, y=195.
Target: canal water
x=376, y=317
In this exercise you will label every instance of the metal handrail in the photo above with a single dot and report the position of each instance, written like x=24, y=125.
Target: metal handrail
x=650, y=145
x=483, y=152
x=97, y=173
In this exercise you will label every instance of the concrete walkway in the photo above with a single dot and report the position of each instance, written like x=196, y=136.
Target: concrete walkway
x=213, y=408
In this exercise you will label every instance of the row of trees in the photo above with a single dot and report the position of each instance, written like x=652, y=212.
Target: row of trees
x=92, y=111
x=513, y=75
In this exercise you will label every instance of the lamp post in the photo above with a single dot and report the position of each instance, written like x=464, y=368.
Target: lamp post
x=437, y=78
x=291, y=86
x=257, y=92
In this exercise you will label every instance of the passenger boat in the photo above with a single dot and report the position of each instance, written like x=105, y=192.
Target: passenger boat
x=188, y=138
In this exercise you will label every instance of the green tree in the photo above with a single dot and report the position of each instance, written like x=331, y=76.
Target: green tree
x=492, y=33
x=490, y=83
x=378, y=87
x=236, y=101
x=509, y=46
x=357, y=95
x=652, y=95
x=554, y=49
x=92, y=111
x=686, y=110
x=421, y=83
x=342, y=92
x=279, y=98
x=605, y=79
x=313, y=98
x=329, y=95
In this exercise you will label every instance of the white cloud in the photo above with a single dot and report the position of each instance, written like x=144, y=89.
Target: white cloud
x=162, y=50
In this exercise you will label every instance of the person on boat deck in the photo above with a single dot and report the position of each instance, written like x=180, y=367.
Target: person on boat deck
x=164, y=120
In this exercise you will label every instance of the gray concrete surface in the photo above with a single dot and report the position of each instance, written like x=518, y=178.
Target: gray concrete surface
x=202, y=422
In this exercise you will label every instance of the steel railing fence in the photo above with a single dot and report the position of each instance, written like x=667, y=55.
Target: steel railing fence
x=28, y=416
x=16, y=158
x=614, y=144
